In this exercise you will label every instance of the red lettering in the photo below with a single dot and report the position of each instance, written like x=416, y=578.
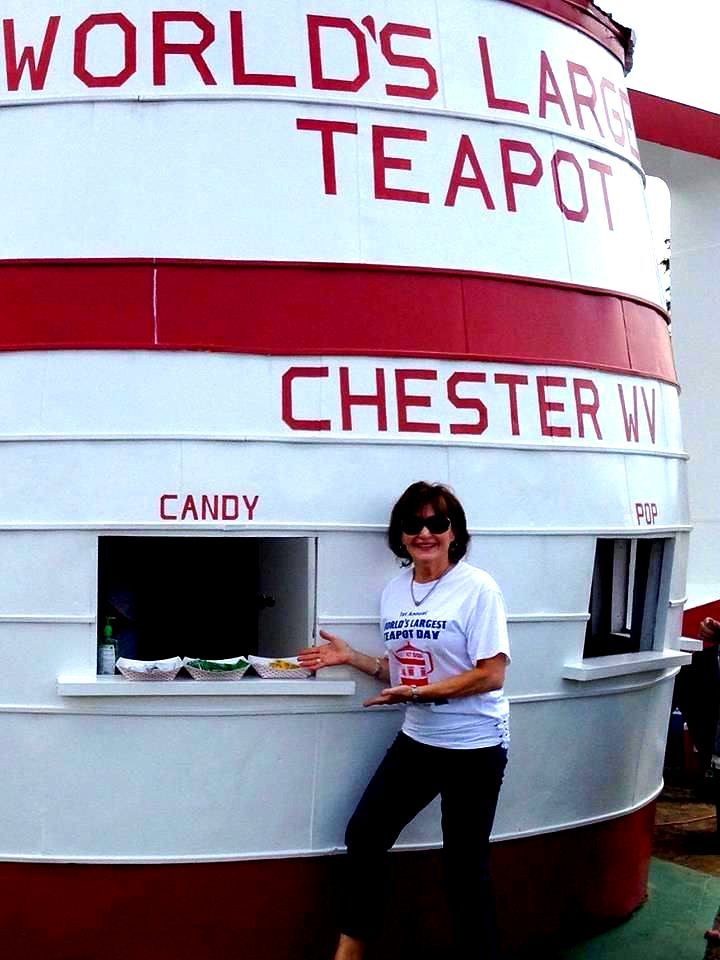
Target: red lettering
x=650, y=417
x=618, y=133
x=250, y=505
x=512, y=381
x=547, y=76
x=511, y=177
x=319, y=80
x=162, y=48
x=327, y=130
x=391, y=30
x=586, y=409
x=80, y=68
x=562, y=156
x=295, y=373
x=237, y=51
x=227, y=500
x=605, y=171
x=405, y=400
x=630, y=418
x=37, y=69
x=627, y=117
x=466, y=153
x=383, y=163
x=546, y=406
x=224, y=507
x=467, y=403
x=516, y=106
x=164, y=515
x=588, y=100
x=646, y=512
x=349, y=400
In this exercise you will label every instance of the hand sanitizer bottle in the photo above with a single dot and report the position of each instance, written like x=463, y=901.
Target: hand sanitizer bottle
x=107, y=652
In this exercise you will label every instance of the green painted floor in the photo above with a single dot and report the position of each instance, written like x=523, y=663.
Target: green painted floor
x=681, y=905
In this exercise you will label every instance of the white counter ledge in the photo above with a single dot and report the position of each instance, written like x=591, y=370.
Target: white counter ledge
x=599, y=668
x=116, y=686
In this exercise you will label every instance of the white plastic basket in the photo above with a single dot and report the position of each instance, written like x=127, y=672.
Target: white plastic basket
x=270, y=668
x=149, y=669
x=198, y=673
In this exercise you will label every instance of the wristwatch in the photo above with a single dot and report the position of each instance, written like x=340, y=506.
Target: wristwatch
x=414, y=698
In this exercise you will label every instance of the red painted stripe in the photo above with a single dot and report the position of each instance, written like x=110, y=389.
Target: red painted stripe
x=583, y=15
x=574, y=880
x=676, y=124
x=334, y=309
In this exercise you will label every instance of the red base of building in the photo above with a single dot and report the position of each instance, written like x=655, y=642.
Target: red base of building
x=554, y=887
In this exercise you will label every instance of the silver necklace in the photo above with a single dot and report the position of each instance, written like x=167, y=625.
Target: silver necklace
x=432, y=588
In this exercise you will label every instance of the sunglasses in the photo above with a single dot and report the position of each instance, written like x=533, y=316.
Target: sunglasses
x=436, y=523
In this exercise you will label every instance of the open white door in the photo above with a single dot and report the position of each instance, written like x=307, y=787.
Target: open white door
x=287, y=582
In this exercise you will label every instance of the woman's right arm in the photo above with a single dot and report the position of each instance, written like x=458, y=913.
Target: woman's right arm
x=337, y=651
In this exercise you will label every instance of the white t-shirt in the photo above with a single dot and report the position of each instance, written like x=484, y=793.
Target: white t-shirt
x=462, y=621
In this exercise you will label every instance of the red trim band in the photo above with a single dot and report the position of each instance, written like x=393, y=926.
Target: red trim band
x=676, y=124
x=316, y=309
x=574, y=880
x=583, y=15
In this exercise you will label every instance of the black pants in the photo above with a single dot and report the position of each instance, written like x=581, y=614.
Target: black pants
x=411, y=775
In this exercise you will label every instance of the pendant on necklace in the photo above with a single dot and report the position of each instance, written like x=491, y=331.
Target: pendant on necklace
x=432, y=588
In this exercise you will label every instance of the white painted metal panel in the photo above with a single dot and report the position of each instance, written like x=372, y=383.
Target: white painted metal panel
x=539, y=651
x=34, y=654
x=276, y=41
x=122, y=483
x=586, y=760
x=247, y=155
x=152, y=789
x=679, y=571
x=46, y=576
x=529, y=566
x=354, y=569
x=347, y=751
x=652, y=740
x=143, y=394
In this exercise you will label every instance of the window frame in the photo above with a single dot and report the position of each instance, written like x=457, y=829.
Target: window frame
x=307, y=560
x=623, y=620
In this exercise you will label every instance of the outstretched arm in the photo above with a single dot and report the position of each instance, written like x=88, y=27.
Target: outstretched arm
x=337, y=651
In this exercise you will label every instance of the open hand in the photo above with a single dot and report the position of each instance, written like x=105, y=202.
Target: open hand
x=400, y=694
x=335, y=651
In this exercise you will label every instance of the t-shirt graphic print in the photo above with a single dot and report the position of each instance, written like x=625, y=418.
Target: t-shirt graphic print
x=463, y=621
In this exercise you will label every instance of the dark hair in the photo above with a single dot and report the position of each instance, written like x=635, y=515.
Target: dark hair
x=443, y=500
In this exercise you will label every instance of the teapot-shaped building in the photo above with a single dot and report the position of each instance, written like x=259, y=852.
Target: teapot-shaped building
x=261, y=269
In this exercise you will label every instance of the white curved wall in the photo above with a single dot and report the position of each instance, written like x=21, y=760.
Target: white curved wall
x=90, y=441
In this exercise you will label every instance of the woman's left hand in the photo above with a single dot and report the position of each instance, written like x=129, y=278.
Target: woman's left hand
x=400, y=694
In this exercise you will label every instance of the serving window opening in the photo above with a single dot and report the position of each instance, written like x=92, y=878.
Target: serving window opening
x=208, y=597
x=629, y=596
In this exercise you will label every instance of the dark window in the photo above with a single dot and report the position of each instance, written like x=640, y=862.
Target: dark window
x=212, y=596
x=628, y=586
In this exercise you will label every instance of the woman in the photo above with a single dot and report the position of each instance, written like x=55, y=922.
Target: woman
x=446, y=644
